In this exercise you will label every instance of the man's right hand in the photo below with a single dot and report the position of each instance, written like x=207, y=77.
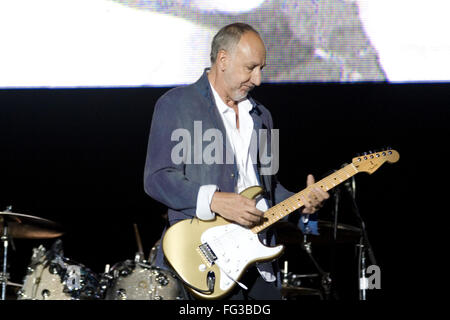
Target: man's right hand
x=236, y=208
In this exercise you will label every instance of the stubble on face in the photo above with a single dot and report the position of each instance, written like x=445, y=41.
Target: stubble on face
x=239, y=75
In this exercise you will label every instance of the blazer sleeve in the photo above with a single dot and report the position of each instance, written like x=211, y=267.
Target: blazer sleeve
x=164, y=180
x=281, y=193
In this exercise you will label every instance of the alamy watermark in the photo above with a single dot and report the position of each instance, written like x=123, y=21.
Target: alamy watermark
x=190, y=151
x=372, y=278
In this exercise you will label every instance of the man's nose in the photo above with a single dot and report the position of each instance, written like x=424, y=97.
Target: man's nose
x=256, y=76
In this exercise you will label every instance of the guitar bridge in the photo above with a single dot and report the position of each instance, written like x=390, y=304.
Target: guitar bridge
x=207, y=254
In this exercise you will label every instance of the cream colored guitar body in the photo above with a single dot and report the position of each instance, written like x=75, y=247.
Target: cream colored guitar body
x=196, y=247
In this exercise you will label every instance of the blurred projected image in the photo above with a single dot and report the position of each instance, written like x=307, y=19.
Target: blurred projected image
x=97, y=43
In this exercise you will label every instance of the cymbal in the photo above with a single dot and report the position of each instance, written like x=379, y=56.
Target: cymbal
x=288, y=233
x=22, y=226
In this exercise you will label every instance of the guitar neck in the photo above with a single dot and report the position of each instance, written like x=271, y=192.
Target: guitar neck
x=293, y=203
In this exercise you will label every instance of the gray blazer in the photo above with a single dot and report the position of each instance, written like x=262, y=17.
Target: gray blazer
x=177, y=185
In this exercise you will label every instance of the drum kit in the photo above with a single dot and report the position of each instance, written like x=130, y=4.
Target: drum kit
x=52, y=276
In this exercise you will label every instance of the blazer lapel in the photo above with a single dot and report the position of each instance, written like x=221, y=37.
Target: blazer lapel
x=204, y=87
x=264, y=180
x=257, y=126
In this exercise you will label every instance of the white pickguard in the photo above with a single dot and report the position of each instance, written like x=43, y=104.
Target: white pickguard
x=235, y=246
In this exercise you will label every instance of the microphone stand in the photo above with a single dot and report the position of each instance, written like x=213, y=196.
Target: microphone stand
x=335, y=212
x=363, y=246
x=337, y=194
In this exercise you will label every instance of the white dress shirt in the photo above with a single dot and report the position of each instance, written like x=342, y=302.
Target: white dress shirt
x=240, y=143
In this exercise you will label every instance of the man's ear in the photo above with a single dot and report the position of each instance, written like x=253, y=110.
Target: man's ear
x=222, y=59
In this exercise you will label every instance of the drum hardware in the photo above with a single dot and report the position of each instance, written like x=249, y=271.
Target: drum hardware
x=295, y=285
x=325, y=276
x=362, y=271
x=4, y=276
x=299, y=279
x=105, y=282
x=139, y=256
x=12, y=284
x=285, y=274
x=153, y=252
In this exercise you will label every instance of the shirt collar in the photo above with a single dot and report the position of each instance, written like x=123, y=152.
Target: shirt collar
x=223, y=108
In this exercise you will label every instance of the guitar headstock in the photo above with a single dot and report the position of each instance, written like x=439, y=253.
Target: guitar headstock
x=370, y=162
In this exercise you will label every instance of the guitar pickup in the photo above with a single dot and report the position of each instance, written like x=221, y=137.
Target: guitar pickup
x=207, y=253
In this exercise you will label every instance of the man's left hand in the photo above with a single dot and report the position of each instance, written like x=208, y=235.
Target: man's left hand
x=315, y=199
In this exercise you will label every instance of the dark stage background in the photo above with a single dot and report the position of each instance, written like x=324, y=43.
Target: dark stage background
x=76, y=156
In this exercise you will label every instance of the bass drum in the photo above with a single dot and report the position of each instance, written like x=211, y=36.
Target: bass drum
x=131, y=280
x=51, y=276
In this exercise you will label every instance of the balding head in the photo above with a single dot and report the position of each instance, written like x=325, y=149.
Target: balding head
x=228, y=37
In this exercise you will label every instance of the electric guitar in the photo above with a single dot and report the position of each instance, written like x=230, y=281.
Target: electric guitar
x=211, y=256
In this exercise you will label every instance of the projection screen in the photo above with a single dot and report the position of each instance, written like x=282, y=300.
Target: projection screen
x=115, y=43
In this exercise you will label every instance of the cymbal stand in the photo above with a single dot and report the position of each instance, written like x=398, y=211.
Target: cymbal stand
x=4, y=276
x=139, y=257
x=325, y=276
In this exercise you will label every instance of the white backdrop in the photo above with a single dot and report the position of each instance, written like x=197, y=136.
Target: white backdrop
x=97, y=43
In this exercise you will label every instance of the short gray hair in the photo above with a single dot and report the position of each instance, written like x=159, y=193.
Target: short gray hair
x=228, y=37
